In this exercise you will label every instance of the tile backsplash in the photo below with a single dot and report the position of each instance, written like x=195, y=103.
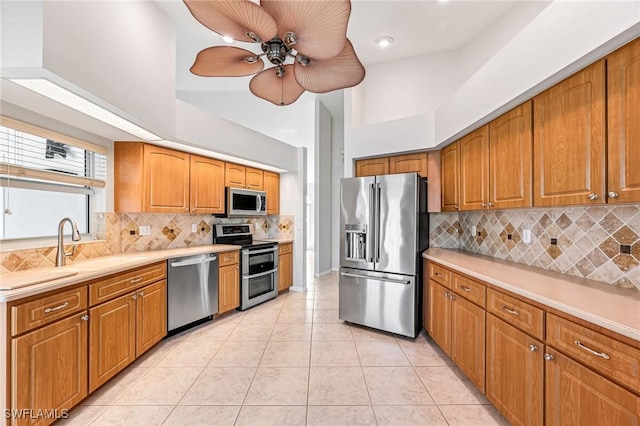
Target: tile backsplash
x=119, y=233
x=600, y=243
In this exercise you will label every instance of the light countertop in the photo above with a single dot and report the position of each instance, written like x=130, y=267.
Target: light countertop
x=608, y=306
x=17, y=285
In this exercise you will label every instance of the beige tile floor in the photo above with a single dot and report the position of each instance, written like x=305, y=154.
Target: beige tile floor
x=290, y=361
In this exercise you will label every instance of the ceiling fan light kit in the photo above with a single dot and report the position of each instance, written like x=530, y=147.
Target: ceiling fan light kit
x=305, y=40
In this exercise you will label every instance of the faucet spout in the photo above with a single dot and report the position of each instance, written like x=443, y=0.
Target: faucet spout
x=61, y=256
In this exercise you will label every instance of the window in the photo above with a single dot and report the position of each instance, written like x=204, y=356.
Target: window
x=45, y=176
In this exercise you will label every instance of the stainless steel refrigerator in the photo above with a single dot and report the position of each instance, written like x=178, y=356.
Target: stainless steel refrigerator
x=384, y=228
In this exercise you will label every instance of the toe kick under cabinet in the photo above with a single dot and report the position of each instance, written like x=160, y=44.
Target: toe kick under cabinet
x=538, y=366
x=66, y=343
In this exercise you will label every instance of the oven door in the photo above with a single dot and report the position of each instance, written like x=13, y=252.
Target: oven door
x=259, y=288
x=257, y=261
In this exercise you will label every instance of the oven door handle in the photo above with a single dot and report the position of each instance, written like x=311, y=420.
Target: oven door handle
x=262, y=273
x=250, y=252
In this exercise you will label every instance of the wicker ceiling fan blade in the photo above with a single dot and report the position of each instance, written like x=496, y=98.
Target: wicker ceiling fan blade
x=226, y=61
x=234, y=18
x=342, y=71
x=279, y=90
x=320, y=26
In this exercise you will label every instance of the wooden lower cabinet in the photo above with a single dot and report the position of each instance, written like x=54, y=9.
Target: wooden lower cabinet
x=515, y=375
x=228, y=288
x=151, y=316
x=49, y=368
x=468, y=339
x=439, y=317
x=576, y=395
x=112, y=339
x=285, y=271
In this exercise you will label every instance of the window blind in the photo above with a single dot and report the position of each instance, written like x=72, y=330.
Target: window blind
x=28, y=152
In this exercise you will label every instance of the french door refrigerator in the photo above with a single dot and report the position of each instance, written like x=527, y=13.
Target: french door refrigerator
x=384, y=228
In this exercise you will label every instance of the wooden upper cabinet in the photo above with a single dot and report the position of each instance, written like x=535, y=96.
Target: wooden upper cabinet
x=272, y=188
x=510, y=151
x=254, y=179
x=474, y=169
x=372, y=167
x=409, y=163
x=235, y=175
x=450, y=177
x=623, y=76
x=207, y=185
x=568, y=140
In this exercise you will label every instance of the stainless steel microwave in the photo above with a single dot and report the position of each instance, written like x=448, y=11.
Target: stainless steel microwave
x=246, y=202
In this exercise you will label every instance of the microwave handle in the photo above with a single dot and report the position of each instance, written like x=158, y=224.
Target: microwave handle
x=259, y=209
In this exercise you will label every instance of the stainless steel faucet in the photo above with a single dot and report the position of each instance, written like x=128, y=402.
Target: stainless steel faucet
x=61, y=256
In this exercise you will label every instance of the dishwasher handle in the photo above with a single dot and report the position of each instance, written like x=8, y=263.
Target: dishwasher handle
x=193, y=262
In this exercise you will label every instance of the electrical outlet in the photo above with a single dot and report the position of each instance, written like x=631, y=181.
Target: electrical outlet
x=526, y=236
x=144, y=230
x=194, y=227
x=473, y=230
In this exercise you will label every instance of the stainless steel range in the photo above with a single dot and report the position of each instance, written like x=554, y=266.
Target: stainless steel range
x=258, y=263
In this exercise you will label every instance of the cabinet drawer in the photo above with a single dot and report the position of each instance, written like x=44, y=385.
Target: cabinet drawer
x=469, y=289
x=29, y=315
x=116, y=285
x=440, y=274
x=285, y=248
x=516, y=312
x=614, y=359
x=229, y=258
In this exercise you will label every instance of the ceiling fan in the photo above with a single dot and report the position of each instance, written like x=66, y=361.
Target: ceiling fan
x=305, y=40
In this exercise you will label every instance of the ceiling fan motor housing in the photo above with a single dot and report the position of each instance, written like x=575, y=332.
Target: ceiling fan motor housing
x=276, y=51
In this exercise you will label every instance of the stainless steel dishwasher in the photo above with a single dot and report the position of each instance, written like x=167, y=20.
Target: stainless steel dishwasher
x=192, y=289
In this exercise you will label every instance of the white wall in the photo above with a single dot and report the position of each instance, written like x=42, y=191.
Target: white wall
x=337, y=172
x=323, y=186
x=20, y=35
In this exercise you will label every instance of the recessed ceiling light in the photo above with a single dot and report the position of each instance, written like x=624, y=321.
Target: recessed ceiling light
x=59, y=94
x=227, y=39
x=384, y=41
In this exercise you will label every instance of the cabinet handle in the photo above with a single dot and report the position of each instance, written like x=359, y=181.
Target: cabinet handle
x=136, y=280
x=446, y=294
x=186, y=209
x=134, y=297
x=490, y=204
x=593, y=197
x=194, y=209
x=455, y=206
x=483, y=204
x=511, y=311
x=613, y=194
x=548, y=357
x=141, y=293
x=56, y=308
x=467, y=289
x=85, y=318
x=228, y=259
x=591, y=351
x=438, y=274
x=452, y=296
x=533, y=348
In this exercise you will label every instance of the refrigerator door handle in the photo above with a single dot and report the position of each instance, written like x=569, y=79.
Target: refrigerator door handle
x=389, y=280
x=371, y=231
x=377, y=222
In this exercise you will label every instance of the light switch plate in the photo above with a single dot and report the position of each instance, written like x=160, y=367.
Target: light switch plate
x=144, y=230
x=473, y=230
x=194, y=227
x=526, y=236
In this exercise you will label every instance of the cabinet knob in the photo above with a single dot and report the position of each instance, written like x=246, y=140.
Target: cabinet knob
x=134, y=297
x=484, y=204
x=533, y=348
x=548, y=357
x=455, y=206
x=490, y=204
x=141, y=293
x=85, y=318
x=613, y=194
x=593, y=197
x=186, y=209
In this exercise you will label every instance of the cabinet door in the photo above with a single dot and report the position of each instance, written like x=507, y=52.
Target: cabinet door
x=623, y=105
x=234, y=175
x=510, y=151
x=568, y=140
x=254, y=179
x=272, y=187
x=372, y=167
x=207, y=185
x=409, y=163
x=467, y=339
x=440, y=316
x=166, y=180
x=450, y=177
x=285, y=271
x=474, y=170
x=151, y=316
x=576, y=395
x=112, y=338
x=49, y=367
x=229, y=288
x=515, y=373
